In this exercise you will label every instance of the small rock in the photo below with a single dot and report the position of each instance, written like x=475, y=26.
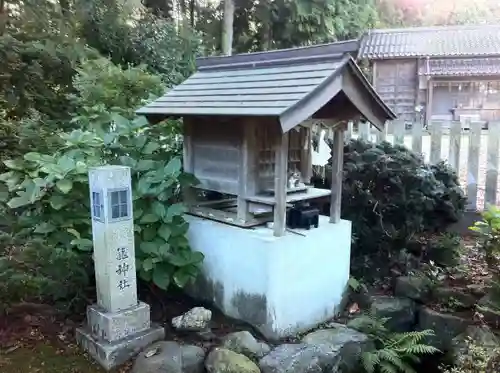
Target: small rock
x=400, y=311
x=413, y=287
x=196, y=319
x=349, y=342
x=244, y=343
x=301, y=358
x=170, y=357
x=448, y=295
x=221, y=360
x=445, y=327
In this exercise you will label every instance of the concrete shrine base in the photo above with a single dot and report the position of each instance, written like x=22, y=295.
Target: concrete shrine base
x=113, y=338
x=280, y=285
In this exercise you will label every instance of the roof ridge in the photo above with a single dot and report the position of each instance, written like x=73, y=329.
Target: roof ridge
x=432, y=28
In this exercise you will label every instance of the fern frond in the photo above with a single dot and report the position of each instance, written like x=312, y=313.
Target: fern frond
x=386, y=367
x=370, y=360
x=421, y=349
x=392, y=357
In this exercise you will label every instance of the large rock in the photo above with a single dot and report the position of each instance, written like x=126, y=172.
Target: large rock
x=462, y=298
x=221, y=360
x=400, y=311
x=244, y=343
x=479, y=335
x=413, y=287
x=301, y=358
x=170, y=357
x=489, y=310
x=350, y=344
x=196, y=319
x=445, y=327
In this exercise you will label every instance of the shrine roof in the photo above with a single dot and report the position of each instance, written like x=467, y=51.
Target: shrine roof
x=291, y=85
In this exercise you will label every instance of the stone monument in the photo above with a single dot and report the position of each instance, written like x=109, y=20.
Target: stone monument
x=118, y=326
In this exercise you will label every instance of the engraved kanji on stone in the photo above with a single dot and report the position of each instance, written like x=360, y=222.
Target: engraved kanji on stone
x=123, y=284
x=122, y=269
x=122, y=253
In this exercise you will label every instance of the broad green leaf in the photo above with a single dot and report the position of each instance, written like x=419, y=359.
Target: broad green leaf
x=148, y=264
x=4, y=196
x=128, y=161
x=83, y=244
x=164, y=232
x=174, y=210
x=173, y=166
x=159, y=209
x=16, y=202
x=149, y=218
x=57, y=202
x=14, y=164
x=33, y=157
x=186, y=257
x=181, y=277
x=145, y=165
x=64, y=185
x=149, y=247
x=149, y=233
x=74, y=232
x=150, y=148
x=161, y=276
x=44, y=228
x=8, y=175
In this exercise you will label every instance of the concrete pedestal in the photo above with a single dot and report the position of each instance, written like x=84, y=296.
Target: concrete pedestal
x=112, y=338
x=280, y=285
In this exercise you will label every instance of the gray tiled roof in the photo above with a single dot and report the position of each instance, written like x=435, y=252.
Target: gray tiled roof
x=442, y=41
x=462, y=67
x=288, y=85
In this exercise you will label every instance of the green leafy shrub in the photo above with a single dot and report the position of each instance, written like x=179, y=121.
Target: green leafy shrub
x=488, y=230
x=390, y=194
x=394, y=352
x=444, y=249
x=30, y=271
x=50, y=193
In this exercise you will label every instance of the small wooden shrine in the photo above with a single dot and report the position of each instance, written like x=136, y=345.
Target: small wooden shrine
x=247, y=129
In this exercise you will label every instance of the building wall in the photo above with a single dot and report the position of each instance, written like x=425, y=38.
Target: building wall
x=396, y=82
x=404, y=85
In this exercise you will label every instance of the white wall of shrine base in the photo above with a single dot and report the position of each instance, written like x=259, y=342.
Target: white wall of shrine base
x=280, y=285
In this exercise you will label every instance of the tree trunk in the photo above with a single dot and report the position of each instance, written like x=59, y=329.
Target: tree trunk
x=192, y=8
x=227, y=27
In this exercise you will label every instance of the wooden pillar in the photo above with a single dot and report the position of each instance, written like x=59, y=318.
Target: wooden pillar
x=280, y=184
x=337, y=165
x=306, y=158
x=430, y=95
x=189, y=194
x=248, y=170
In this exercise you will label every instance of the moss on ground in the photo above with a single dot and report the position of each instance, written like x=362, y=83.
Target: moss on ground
x=45, y=358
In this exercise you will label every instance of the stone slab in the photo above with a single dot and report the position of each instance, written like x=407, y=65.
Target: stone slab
x=113, y=326
x=112, y=354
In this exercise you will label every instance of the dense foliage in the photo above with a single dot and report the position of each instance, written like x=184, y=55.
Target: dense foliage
x=394, y=352
x=32, y=272
x=390, y=194
x=49, y=192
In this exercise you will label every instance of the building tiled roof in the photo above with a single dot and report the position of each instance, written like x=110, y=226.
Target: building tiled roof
x=461, y=67
x=442, y=41
x=291, y=85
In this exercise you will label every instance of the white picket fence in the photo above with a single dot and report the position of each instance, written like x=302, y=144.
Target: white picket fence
x=471, y=150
